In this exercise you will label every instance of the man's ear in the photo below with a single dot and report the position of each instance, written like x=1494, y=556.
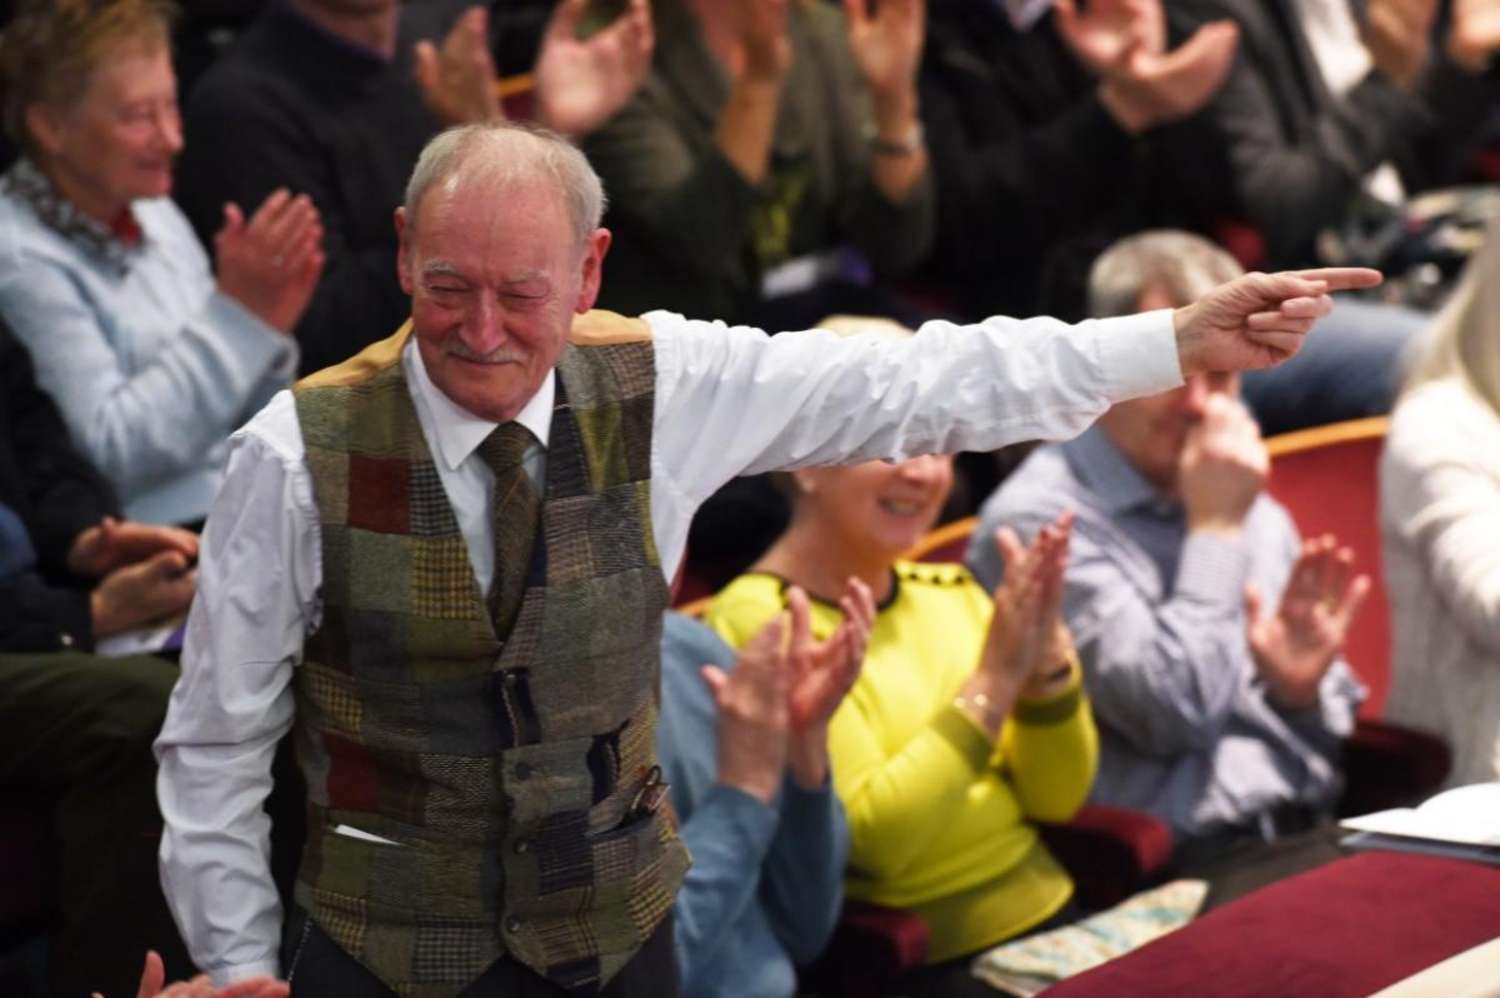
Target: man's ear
x=45, y=126
x=593, y=269
x=403, y=252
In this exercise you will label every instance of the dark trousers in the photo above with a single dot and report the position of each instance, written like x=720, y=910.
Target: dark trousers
x=316, y=967
x=75, y=738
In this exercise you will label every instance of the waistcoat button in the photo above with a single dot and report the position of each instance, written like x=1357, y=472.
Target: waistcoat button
x=512, y=924
x=524, y=770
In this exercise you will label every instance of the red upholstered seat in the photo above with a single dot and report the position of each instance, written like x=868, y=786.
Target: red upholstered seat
x=1349, y=928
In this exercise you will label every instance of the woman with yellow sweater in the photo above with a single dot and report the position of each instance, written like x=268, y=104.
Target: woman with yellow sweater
x=969, y=721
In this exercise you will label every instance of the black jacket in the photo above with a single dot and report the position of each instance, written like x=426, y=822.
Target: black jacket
x=1032, y=171
x=57, y=494
x=1295, y=154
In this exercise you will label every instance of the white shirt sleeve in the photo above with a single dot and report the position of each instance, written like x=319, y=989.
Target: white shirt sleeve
x=733, y=401
x=257, y=588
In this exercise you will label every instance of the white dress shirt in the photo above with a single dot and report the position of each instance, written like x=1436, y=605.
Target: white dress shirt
x=729, y=401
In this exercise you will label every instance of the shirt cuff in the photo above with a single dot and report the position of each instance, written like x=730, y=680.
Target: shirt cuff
x=1137, y=354
x=746, y=814
x=256, y=345
x=1058, y=708
x=225, y=976
x=1213, y=569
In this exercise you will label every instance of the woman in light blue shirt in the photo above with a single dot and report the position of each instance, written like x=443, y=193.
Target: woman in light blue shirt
x=152, y=357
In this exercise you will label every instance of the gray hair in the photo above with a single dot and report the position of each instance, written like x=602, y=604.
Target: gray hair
x=503, y=154
x=1181, y=264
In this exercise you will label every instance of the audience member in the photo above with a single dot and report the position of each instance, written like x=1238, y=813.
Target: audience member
x=335, y=100
x=1440, y=524
x=744, y=747
x=1209, y=633
x=770, y=135
x=342, y=587
x=1051, y=134
x=1325, y=110
x=152, y=358
x=75, y=728
x=1325, y=104
x=954, y=741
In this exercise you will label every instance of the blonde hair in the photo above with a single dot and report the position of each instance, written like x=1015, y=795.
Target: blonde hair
x=51, y=49
x=1464, y=340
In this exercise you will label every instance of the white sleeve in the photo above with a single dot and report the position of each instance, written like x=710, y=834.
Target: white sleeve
x=732, y=401
x=259, y=571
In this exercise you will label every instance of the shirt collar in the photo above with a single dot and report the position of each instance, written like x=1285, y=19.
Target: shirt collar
x=28, y=184
x=1107, y=472
x=457, y=430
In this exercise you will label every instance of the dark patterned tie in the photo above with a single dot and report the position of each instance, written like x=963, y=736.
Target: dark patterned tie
x=516, y=518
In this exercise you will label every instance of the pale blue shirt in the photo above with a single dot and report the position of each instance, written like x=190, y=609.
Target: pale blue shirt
x=151, y=366
x=1186, y=729
x=767, y=880
x=728, y=401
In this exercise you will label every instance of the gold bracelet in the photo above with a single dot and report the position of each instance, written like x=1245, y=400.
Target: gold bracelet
x=978, y=708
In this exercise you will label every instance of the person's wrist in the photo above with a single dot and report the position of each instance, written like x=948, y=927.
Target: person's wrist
x=897, y=114
x=1215, y=523
x=807, y=758
x=1050, y=682
x=104, y=614
x=1127, y=112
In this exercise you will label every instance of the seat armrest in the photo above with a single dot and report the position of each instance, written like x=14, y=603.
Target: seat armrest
x=1111, y=852
x=872, y=947
x=1387, y=765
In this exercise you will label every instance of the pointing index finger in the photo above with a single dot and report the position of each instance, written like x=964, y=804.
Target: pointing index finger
x=1343, y=278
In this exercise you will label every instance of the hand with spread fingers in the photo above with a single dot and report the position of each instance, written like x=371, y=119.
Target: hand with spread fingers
x=1294, y=647
x=1105, y=30
x=822, y=673
x=1143, y=85
x=753, y=717
x=582, y=83
x=1259, y=320
x=886, y=39
x=112, y=543
x=271, y=263
x=458, y=79
x=153, y=985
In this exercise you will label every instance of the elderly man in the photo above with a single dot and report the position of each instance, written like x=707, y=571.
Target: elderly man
x=447, y=560
x=1208, y=632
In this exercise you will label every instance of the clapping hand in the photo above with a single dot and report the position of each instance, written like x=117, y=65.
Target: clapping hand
x=1398, y=35
x=581, y=83
x=887, y=45
x=1295, y=646
x=751, y=709
x=1474, y=36
x=1144, y=85
x=271, y=263
x=154, y=976
x=1259, y=320
x=112, y=544
x=458, y=79
x=822, y=673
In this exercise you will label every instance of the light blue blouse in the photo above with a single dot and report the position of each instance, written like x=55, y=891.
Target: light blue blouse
x=150, y=364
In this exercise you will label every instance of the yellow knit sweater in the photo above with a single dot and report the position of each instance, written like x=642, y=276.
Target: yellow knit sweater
x=940, y=819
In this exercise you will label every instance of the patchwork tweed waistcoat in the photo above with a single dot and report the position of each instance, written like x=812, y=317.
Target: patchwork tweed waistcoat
x=507, y=767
